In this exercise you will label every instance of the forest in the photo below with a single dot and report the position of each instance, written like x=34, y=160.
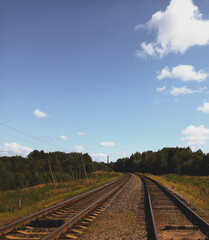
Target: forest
x=40, y=167
x=167, y=160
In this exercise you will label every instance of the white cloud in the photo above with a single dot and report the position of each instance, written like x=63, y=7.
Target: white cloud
x=161, y=89
x=184, y=90
x=148, y=48
x=78, y=148
x=107, y=144
x=63, y=137
x=81, y=133
x=181, y=91
x=183, y=72
x=38, y=114
x=204, y=108
x=13, y=149
x=195, y=136
x=178, y=28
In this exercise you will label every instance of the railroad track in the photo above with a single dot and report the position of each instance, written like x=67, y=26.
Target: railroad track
x=168, y=217
x=64, y=220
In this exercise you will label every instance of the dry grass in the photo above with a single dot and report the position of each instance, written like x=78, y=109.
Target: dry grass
x=36, y=198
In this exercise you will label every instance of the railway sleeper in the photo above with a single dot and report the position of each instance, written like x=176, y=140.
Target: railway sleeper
x=48, y=222
x=79, y=227
x=180, y=227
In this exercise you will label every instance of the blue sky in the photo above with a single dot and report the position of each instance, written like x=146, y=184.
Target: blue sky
x=103, y=77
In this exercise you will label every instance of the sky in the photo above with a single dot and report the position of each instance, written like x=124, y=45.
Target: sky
x=103, y=77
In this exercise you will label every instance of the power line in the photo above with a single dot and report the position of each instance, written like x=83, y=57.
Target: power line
x=26, y=134
x=18, y=137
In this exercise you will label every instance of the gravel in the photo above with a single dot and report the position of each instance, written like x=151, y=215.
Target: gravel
x=124, y=217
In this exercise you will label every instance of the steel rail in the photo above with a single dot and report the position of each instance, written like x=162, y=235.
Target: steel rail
x=148, y=203
x=190, y=214
x=66, y=226
x=21, y=222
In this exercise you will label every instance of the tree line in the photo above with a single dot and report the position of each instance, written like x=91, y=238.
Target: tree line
x=40, y=167
x=167, y=160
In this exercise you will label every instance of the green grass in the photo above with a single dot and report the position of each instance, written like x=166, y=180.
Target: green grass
x=19, y=203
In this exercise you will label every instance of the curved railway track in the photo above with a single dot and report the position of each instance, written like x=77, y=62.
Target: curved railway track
x=60, y=220
x=168, y=217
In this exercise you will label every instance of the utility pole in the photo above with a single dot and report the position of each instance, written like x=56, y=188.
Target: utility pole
x=47, y=171
x=51, y=171
x=79, y=172
x=72, y=174
x=84, y=167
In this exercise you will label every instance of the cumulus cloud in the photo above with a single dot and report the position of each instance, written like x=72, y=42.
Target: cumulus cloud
x=195, y=136
x=39, y=114
x=78, y=148
x=183, y=72
x=161, y=89
x=181, y=91
x=13, y=149
x=175, y=91
x=204, y=108
x=63, y=137
x=178, y=28
x=107, y=144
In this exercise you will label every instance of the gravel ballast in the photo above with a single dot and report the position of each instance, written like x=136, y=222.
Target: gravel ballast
x=123, y=218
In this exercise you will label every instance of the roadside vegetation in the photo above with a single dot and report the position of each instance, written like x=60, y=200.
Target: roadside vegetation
x=15, y=204
x=40, y=168
x=42, y=179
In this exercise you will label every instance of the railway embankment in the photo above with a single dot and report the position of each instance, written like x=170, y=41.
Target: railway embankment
x=124, y=218
x=131, y=207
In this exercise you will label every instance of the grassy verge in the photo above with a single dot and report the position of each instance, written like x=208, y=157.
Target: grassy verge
x=19, y=203
x=195, y=189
